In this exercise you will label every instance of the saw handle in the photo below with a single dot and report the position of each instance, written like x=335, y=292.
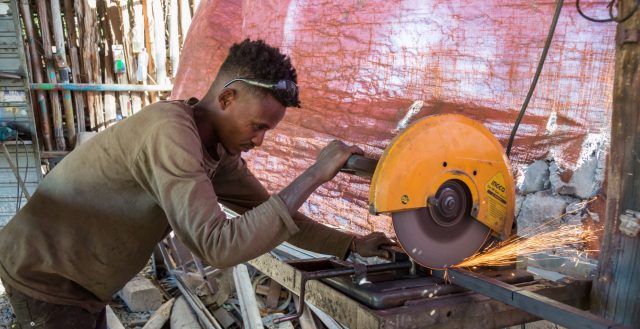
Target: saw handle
x=360, y=166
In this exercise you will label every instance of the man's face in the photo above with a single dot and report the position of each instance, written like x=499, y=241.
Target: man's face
x=247, y=118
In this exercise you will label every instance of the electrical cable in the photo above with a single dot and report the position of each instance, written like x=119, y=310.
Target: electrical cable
x=611, y=18
x=543, y=57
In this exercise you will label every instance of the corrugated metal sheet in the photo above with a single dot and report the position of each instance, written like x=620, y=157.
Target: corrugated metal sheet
x=15, y=111
x=361, y=64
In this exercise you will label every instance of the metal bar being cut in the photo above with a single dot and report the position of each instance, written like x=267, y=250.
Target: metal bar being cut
x=528, y=301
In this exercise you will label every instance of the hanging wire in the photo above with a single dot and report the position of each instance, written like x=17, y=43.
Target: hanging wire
x=612, y=17
x=534, y=82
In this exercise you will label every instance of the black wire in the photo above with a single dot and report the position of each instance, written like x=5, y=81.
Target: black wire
x=543, y=57
x=611, y=18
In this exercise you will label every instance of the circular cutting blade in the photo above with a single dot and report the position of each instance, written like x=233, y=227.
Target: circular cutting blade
x=436, y=246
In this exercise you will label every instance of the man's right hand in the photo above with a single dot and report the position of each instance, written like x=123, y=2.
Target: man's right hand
x=327, y=165
x=332, y=158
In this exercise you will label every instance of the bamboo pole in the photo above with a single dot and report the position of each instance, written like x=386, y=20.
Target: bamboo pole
x=63, y=67
x=174, y=40
x=36, y=74
x=185, y=20
x=79, y=99
x=109, y=96
x=51, y=74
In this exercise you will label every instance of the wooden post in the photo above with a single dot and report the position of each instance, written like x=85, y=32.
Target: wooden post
x=149, y=41
x=185, y=19
x=87, y=14
x=78, y=98
x=36, y=74
x=617, y=286
x=160, y=44
x=51, y=75
x=174, y=42
x=136, y=101
x=109, y=96
x=114, y=36
x=63, y=67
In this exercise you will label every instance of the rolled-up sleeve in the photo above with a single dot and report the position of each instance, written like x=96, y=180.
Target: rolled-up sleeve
x=170, y=166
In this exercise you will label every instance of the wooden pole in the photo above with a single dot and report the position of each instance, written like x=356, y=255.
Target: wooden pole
x=136, y=101
x=160, y=44
x=174, y=40
x=149, y=41
x=63, y=67
x=617, y=286
x=185, y=19
x=86, y=12
x=36, y=74
x=51, y=74
x=138, y=45
x=109, y=96
x=115, y=37
x=78, y=98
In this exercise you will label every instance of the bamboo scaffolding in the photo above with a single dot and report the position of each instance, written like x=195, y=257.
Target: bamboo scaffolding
x=86, y=12
x=51, y=74
x=136, y=100
x=114, y=36
x=36, y=74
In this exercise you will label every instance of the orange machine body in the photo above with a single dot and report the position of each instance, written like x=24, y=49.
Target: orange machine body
x=439, y=148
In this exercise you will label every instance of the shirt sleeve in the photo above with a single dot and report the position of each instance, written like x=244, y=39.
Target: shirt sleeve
x=170, y=166
x=240, y=190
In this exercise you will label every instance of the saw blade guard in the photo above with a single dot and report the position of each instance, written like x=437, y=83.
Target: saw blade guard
x=438, y=149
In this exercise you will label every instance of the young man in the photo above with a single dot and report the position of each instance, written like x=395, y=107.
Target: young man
x=95, y=219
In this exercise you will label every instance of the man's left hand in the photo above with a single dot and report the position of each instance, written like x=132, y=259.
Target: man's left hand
x=371, y=245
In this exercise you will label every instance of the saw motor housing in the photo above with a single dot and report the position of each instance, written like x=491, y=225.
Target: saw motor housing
x=432, y=158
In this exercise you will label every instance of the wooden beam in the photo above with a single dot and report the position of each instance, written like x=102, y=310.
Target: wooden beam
x=86, y=12
x=109, y=96
x=617, y=287
x=174, y=40
x=63, y=67
x=56, y=111
x=72, y=35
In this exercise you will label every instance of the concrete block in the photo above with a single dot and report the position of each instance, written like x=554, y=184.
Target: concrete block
x=536, y=177
x=141, y=295
x=540, y=207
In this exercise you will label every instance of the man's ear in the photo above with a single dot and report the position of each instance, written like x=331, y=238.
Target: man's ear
x=225, y=98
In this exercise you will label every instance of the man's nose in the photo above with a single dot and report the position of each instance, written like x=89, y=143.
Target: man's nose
x=258, y=138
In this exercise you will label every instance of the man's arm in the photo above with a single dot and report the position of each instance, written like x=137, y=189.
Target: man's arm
x=240, y=190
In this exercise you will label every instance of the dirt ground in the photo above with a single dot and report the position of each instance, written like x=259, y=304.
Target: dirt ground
x=6, y=314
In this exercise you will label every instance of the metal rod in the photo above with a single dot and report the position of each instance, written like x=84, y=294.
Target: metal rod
x=99, y=87
x=15, y=171
x=360, y=166
x=527, y=301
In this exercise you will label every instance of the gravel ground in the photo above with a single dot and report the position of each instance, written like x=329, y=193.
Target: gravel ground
x=6, y=313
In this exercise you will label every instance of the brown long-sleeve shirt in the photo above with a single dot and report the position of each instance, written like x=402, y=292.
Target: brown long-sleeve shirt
x=95, y=219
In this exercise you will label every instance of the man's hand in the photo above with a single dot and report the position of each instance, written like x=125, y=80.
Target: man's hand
x=371, y=245
x=332, y=158
x=329, y=162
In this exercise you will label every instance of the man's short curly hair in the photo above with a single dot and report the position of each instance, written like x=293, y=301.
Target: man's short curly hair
x=260, y=61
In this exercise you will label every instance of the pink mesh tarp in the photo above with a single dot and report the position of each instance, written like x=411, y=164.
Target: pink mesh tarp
x=361, y=64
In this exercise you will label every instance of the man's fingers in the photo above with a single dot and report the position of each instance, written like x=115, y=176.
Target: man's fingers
x=356, y=150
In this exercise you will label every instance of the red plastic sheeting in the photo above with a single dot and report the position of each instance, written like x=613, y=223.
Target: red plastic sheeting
x=361, y=64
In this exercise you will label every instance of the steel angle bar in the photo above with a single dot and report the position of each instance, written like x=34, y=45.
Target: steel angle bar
x=528, y=301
